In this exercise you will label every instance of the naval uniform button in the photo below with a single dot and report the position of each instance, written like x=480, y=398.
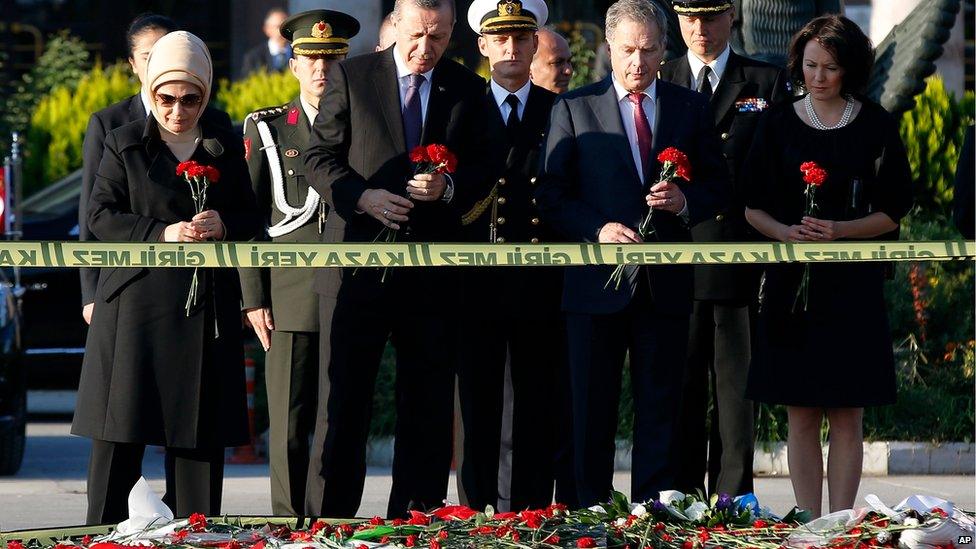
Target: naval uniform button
x=535, y=241
x=536, y=221
x=725, y=136
x=533, y=180
x=291, y=172
x=501, y=181
x=501, y=201
x=534, y=203
x=500, y=240
x=719, y=217
x=500, y=220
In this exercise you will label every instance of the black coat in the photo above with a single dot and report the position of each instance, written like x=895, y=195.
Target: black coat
x=744, y=79
x=256, y=59
x=358, y=143
x=152, y=375
x=100, y=123
x=588, y=179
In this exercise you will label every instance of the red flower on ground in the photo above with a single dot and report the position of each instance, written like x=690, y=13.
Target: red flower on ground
x=300, y=536
x=456, y=512
x=398, y=522
x=532, y=519
x=760, y=523
x=442, y=535
x=411, y=540
x=319, y=526
x=434, y=544
x=179, y=535
x=232, y=544
x=506, y=516
x=86, y=540
x=585, y=542
x=198, y=522
x=418, y=519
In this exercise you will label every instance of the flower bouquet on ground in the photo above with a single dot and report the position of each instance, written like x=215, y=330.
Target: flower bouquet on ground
x=199, y=177
x=673, y=521
x=814, y=176
x=674, y=163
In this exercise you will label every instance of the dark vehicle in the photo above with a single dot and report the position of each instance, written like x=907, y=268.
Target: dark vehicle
x=13, y=386
x=54, y=331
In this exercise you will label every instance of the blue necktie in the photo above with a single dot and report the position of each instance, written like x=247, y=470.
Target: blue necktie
x=413, y=120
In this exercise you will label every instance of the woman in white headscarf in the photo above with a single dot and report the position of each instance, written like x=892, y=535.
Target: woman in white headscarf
x=156, y=371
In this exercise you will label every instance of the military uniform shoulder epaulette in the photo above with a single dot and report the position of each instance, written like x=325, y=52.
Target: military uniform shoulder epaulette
x=270, y=112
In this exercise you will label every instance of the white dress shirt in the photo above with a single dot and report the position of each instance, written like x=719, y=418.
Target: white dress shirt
x=627, y=108
x=403, y=78
x=717, y=66
x=501, y=94
x=310, y=111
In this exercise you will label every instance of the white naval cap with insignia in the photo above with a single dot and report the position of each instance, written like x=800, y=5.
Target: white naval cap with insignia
x=501, y=16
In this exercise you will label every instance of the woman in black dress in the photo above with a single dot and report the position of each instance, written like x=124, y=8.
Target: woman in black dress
x=156, y=372
x=827, y=353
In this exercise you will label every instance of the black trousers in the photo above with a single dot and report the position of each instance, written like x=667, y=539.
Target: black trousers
x=657, y=343
x=424, y=343
x=719, y=351
x=314, y=479
x=291, y=377
x=194, y=480
x=518, y=328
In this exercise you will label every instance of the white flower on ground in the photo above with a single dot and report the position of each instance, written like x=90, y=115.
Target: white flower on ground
x=696, y=510
x=598, y=509
x=638, y=509
x=669, y=497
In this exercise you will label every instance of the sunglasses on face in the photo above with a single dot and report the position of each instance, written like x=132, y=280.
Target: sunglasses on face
x=188, y=100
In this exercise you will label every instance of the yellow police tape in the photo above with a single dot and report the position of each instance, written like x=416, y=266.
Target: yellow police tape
x=248, y=254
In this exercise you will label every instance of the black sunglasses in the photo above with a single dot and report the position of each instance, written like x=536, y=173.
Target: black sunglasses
x=188, y=100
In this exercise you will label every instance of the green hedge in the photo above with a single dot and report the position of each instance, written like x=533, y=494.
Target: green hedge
x=57, y=126
x=260, y=90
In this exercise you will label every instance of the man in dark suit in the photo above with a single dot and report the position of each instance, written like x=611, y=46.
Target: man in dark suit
x=509, y=315
x=272, y=55
x=739, y=89
x=279, y=303
x=599, y=176
x=377, y=108
x=142, y=34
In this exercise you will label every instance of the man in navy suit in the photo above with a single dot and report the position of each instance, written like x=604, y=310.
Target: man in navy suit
x=598, y=178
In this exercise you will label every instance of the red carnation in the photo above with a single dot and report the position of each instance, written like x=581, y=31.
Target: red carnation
x=505, y=516
x=532, y=519
x=14, y=544
x=813, y=174
x=457, y=512
x=443, y=159
x=680, y=161
x=377, y=521
x=419, y=154
x=760, y=523
x=182, y=167
x=411, y=540
x=434, y=544
x=585, y=541
x=211, y=173
x=198, y=522
x=418, y=519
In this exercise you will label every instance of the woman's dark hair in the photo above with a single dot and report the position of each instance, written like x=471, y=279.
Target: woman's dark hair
x=147, y=22
x=845, y=41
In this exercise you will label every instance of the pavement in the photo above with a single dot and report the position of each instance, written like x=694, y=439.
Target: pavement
x=49, y=490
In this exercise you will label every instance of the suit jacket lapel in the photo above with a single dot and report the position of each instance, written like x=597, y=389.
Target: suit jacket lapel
x=664, y=124
x=388, y=95
x=437, y=111
x=733, y=80
x=607, y=111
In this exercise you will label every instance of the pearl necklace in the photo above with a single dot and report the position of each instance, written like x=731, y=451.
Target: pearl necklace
x=815, y=120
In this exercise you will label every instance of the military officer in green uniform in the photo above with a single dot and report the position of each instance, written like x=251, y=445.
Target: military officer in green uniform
x=280, y=304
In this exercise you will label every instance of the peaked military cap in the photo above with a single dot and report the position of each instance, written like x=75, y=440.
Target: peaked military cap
x=501, y=16
x=320, y=32
x=701, y=7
